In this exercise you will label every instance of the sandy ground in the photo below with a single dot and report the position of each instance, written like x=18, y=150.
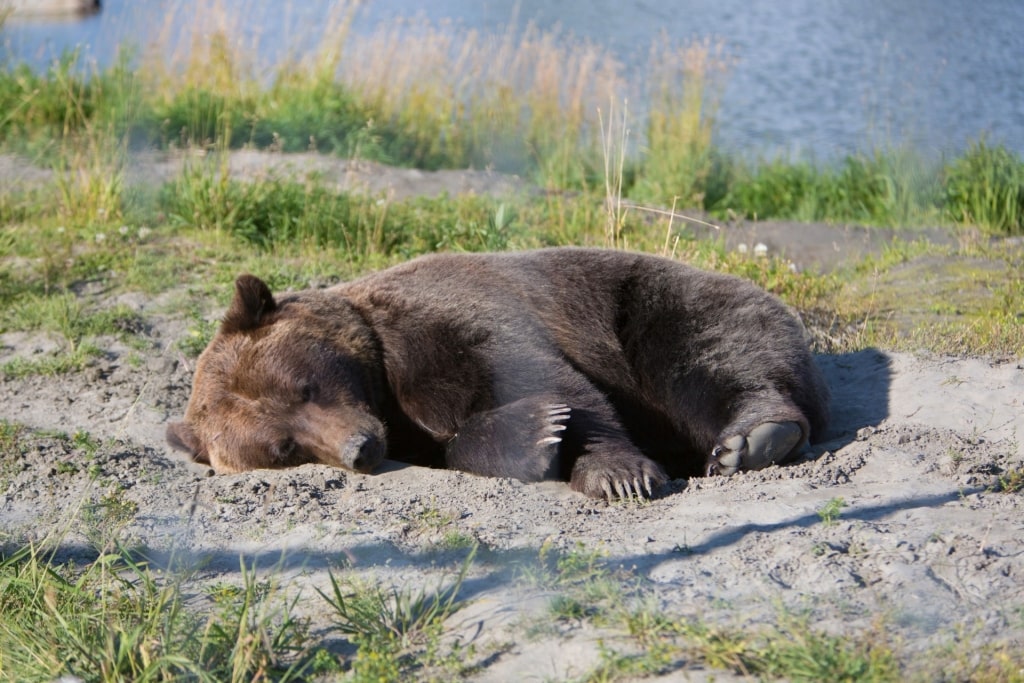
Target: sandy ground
x=916, y=447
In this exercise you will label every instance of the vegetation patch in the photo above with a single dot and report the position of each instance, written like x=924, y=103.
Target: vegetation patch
x=115, y=619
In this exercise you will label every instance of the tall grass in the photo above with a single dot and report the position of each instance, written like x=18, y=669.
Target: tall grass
x=684, y=85
x=443, y=96
x=985, y=187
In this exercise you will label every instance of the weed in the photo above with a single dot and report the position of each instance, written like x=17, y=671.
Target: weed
x=66, y=468
x=104, y=520
x=615, y=666
x=200, y=334
x=647, y=624
x=86, y=443
x=799, y=653
x=831, y=510
x=10, y=437
x=572, y=608
x=613, y=148
x=1011, y=481
x=574, y=567
x=67, y=316
x=396, y=631
x=791, y=651
x=456, y=540
x=956, y=456
x=683, y=104
x=719, y=648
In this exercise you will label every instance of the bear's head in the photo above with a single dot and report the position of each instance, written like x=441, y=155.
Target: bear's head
x=285, y=383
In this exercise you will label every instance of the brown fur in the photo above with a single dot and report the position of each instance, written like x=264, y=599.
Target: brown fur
x=602, y=368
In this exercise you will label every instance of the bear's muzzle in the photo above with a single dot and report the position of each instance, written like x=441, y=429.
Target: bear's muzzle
x=362, y=452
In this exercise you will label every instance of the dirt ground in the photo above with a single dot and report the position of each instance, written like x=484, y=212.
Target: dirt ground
x=916, y=447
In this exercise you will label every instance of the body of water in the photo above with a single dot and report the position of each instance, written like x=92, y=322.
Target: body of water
x=810, y=78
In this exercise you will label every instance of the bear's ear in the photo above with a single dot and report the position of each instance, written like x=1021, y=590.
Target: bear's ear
x=253, y=301
x=183, y=438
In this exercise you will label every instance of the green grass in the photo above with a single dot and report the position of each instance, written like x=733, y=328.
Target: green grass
x=793, y=650
x=887, y=188
x=202, y=229
x=279, y=212
x=985, y=186
x=643, y=640
x=398, y=632
x=66, y=316
x=116, y=619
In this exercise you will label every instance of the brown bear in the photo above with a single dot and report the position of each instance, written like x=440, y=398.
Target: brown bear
x=607, y=369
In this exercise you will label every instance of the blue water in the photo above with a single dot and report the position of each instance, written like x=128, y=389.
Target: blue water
x=811, y=78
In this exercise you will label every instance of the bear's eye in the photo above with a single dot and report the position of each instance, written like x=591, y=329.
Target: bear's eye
x=308, y=393
x=285, y=449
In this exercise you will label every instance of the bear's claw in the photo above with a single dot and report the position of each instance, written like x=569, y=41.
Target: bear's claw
x=766, y=444
x=612, y=478
x=557, y=415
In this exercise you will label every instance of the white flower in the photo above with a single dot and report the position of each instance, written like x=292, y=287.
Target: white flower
x=100, y=237
x=144, y=232
x=761, y=250
x=123, y=230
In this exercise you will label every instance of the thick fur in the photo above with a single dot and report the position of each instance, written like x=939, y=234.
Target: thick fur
x=608, y=369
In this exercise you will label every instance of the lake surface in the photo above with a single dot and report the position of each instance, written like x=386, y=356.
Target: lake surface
x=811, y=78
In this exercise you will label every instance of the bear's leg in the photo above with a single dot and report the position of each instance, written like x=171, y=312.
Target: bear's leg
x=524, y=440
x=770, y=432
x=519, y=440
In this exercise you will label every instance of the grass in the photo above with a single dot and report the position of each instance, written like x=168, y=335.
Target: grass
x=204, y=227
x=77, y=328
x=440, y=96
x=642, y=640
x=398, y=632
x=115, y=619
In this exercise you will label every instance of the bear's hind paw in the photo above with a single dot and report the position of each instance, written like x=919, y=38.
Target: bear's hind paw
x=766, y=444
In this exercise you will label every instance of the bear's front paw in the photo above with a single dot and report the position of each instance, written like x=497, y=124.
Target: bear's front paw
x=623, y=476
x=520, y=440
x=766, y=444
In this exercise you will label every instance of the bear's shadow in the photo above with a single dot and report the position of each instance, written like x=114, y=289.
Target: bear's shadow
x=860, y=383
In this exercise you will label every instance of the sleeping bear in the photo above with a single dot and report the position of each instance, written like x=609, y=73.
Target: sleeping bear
x=611, y=370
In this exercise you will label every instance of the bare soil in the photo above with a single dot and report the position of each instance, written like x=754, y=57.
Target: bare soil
x=925, y=542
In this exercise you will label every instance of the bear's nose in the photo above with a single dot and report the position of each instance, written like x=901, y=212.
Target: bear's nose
x=362, y=452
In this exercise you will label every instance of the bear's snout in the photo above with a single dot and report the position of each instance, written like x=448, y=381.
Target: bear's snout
x=362, y=452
